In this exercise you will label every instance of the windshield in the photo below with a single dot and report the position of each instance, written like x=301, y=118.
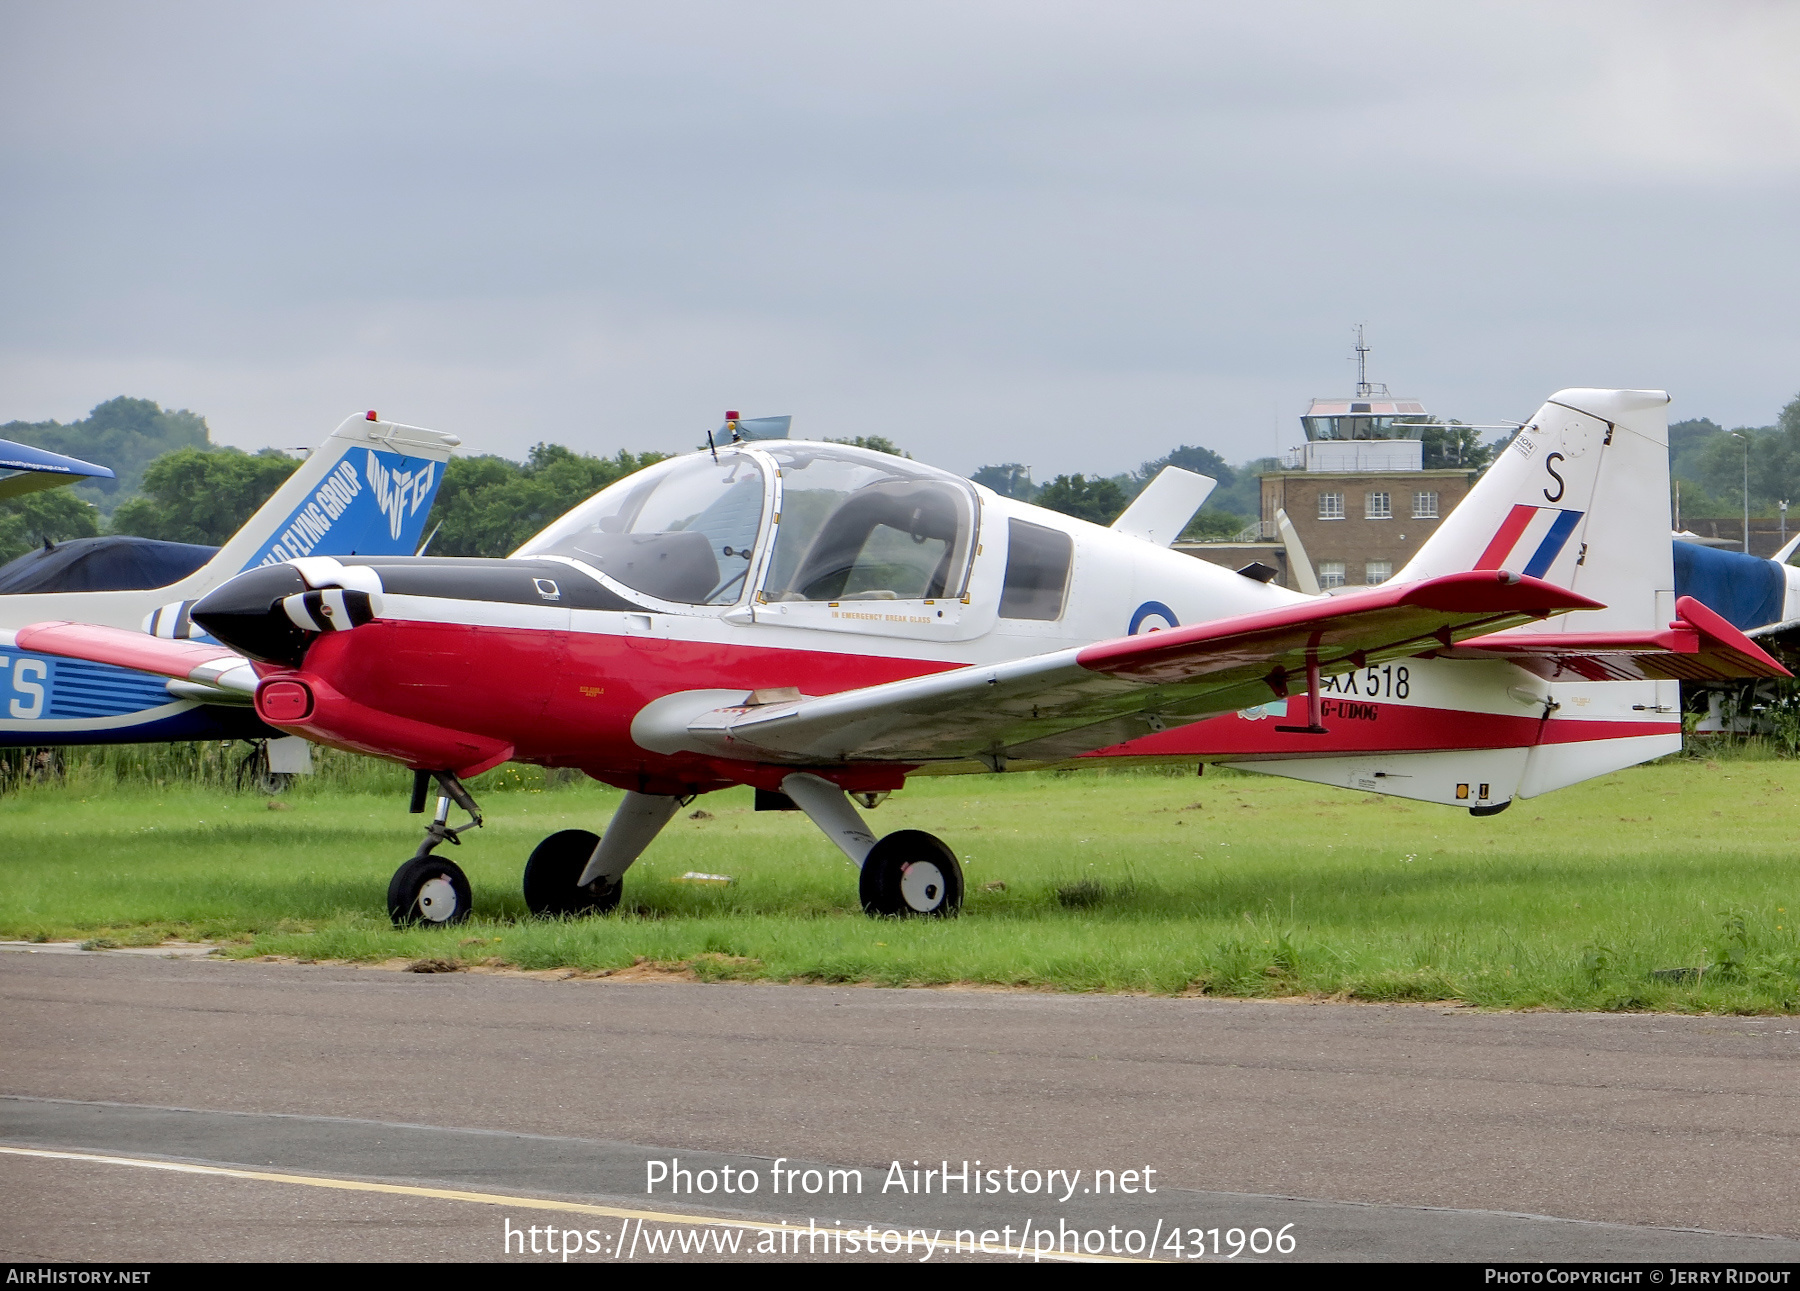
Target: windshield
x=681, y=530
x=861, y=525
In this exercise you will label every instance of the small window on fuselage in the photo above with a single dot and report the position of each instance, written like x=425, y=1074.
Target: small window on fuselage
x=1037, y=571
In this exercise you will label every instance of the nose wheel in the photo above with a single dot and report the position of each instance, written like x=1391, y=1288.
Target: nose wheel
x=911, y=872
x=429, y=891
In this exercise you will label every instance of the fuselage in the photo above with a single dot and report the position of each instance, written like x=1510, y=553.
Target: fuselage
x=808, y=582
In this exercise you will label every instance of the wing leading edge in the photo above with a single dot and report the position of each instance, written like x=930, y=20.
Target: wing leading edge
x=1058, y=705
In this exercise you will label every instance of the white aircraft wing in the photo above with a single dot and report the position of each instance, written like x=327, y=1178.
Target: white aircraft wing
x=1068, y=702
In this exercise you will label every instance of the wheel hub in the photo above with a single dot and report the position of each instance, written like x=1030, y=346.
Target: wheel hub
x=922, y=886
x=437, y=900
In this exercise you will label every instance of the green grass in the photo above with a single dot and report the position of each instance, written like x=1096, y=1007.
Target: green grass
x=1114, y=880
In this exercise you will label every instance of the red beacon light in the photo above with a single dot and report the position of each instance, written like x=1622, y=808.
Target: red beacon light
x=731, y=416
x=372, y=415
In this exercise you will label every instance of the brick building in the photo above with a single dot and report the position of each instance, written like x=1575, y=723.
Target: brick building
x=1361, y=526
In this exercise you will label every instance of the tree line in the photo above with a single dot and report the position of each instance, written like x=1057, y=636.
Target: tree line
x=175, y=484
x=1236, y=500
x=1711, y=463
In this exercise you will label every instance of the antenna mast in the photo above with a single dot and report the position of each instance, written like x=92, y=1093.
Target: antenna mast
x=1363, y=388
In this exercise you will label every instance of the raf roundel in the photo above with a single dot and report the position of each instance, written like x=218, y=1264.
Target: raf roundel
x=1152, y=616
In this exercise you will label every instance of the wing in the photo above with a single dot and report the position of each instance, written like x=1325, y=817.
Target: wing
x=1698, y=646
x=211, y=667
x=1058, y=705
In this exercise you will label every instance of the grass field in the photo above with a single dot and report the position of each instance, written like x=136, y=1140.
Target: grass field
x=1115, y=880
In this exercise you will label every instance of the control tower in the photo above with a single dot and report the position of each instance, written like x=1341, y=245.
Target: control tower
x=1357, y=490
x=1370, y=431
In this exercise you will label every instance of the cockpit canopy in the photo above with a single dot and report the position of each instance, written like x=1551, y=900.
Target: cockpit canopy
x=682, y=530
x=853, y=524
x=858, y=525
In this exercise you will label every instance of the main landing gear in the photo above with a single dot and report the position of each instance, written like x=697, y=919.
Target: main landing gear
x=574, y=872
x=909, y=872
x=429, y=889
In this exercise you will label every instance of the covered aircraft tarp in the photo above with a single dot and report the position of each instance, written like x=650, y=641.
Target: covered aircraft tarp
x=110, y=564
x=24, y=469
x=1746, y=591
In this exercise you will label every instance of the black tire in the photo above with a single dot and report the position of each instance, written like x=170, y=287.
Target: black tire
x=417, y=896
x=550, y=875
x=911, y=873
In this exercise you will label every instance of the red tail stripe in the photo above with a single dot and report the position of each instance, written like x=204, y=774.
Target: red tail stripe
x=1504, y=541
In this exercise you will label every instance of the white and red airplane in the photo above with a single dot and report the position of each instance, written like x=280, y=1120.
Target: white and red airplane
x=820, y=622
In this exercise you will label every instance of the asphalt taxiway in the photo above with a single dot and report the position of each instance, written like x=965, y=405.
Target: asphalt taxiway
x=193, y=1109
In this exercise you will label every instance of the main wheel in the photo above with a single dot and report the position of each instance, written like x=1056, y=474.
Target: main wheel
x=911, y=872
x=551, y=872
x=428, y=890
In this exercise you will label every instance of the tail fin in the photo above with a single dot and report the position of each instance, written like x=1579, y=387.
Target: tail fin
x=364, y=492
x=1581, y=499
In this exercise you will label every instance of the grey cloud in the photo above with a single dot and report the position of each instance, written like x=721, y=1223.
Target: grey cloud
x=1066, y=234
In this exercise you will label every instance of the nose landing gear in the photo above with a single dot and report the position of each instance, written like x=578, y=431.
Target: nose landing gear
x=432, y=890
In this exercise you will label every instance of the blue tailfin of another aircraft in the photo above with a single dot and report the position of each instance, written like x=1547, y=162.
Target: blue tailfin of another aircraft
x=365, y=492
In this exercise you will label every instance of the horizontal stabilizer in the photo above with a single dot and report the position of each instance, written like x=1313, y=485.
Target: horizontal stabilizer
x=1698, y=646
x=212, y=665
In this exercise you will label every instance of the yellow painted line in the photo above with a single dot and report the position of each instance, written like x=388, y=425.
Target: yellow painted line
x=541, y=1203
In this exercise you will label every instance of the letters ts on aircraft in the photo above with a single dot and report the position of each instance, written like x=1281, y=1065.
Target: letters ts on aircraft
x=821, y=622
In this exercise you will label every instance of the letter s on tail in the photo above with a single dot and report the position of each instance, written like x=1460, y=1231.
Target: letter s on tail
x=1580, y=498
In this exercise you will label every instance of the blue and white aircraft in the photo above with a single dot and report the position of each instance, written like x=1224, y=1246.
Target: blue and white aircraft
x=365, y=492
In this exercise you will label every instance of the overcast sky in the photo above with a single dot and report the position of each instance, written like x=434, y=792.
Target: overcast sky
x=1072, y=235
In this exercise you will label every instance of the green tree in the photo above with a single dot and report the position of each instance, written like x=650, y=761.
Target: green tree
x=195, y=495
x=877, y=443
x=1447, y=445
x=1099, y=500
x=123, y=434
x=1686, y=440
x=50, y=515
x=1189, y=457
x=1009, y=480
x=1242, y=495
x=487, y=506
x=1211, y=524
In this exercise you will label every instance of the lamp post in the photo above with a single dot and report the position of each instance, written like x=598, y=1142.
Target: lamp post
x=1734, y=434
